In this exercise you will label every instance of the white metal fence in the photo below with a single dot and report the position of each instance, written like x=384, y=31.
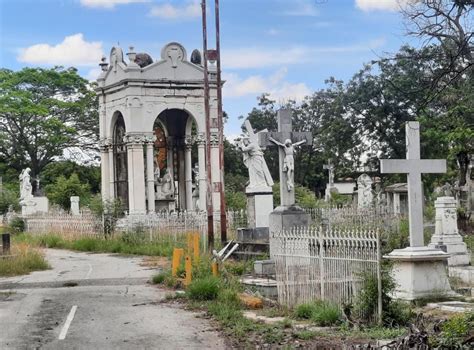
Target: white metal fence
x=64, y=224
x=313, y=263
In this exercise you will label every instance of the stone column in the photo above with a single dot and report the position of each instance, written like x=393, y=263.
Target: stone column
x=447, y=237
x=396, y=203
x=111, y=176
x=201, y=140
x=104, y=169
x=188, y=173
x=136, y=173
x=181, y=176
x=150, y=173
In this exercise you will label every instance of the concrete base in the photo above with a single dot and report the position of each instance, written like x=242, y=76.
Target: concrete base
x=420, y=272
x=253, y=235
x=259, y=207
x=265, y=286
x=35, y=205
x=165, y=205
x=455, y=247
x=464, y=273
x=286, y=218
x=264, y=268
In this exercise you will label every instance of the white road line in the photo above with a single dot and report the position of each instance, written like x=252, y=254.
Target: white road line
x=88, y=272
x=69, y=319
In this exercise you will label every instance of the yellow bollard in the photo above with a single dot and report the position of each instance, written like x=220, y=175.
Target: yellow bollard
x=196, y=246
x=215, y=269
x=189, y=268
x=177, y=254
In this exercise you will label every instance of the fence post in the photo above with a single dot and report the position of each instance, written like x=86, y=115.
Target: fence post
x=321, y=262
x=379, y=279
x=6, y=243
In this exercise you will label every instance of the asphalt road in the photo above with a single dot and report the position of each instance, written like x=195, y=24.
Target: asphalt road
x=95, y=301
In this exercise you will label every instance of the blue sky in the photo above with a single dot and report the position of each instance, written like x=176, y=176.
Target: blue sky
x=287, y=48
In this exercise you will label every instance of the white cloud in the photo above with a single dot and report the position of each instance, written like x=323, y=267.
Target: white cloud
x=93, y=74
x=260, y=57
x=192, y=9
x=384, y=5
x=108, y=4
x=73, y=50
x=302, y=8
x=275, y=84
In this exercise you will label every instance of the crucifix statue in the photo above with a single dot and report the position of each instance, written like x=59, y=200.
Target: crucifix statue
x=286, y=139
x=329, y=166
x=413, y=166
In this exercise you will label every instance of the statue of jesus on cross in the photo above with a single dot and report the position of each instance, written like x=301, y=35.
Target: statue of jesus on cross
x=288, y=161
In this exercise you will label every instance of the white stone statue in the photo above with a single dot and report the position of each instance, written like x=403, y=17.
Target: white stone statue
x=259, y=177
x=167, y=186
x=25, y=185
x=289, y=161
x=365, y=194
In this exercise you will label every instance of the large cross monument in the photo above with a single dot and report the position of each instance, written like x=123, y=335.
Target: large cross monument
x=288, y=214
x=419, y=271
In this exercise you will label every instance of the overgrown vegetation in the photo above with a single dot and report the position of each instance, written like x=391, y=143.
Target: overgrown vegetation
x=120, y=244
x=322, y=313
x=23, y=260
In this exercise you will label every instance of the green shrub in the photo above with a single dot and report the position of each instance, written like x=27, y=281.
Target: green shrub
x=235, y=200
x=305, y=311
x=61, y=191
x=323, y=313
x=8, y=198
x=17, y=225
x=455, y=331
x=326, y=314
x=50, y=241
x=206, y=288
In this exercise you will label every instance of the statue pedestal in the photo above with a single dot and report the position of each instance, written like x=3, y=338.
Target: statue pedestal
x=285, y=218
x=420, y=272
x=447, y=237
x=34, y=205
x=259, y=206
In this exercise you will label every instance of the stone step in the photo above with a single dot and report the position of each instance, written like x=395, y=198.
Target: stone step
x=464, y=273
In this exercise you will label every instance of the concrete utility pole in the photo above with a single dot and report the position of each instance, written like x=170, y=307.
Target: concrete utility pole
x=220, y=126
x=210, y=209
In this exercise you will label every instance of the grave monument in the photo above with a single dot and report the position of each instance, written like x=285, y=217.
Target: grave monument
x=30, y=204
x=446, y=236
x=152, y=120
x=330, y=185
x=365, y=194
x=419, y=270
x=287, y=214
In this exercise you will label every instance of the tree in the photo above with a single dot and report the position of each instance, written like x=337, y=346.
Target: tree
x=42, y=112
x=450, y=25
x=61, y=191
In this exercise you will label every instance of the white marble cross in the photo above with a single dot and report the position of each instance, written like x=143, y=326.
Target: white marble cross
x=413, y=166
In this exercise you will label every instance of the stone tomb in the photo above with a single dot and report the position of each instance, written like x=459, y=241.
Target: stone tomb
x=446, y=236
x=152, y=125
x=419, y=271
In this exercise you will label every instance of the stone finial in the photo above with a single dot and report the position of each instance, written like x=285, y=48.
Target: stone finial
x=131, y=54
x=103, y=64
x=196, y=57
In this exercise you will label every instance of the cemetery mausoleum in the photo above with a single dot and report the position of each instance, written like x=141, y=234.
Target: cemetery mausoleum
x=153, y=130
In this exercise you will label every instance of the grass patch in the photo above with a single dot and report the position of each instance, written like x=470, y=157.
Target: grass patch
x=120, y=244
x=24, y=260
x=206, y=288
x=159, y=278
x=322, y=313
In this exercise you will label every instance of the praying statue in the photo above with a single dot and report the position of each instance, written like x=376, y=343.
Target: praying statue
x=167, y=187
x=25, y=185
x=259, y=176
x=289, y=161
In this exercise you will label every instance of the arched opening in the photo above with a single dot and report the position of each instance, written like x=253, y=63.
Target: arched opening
x=176, y=155
x=120, y=161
